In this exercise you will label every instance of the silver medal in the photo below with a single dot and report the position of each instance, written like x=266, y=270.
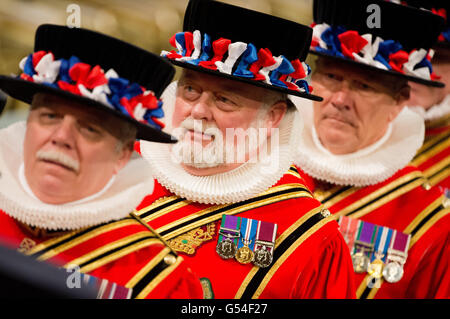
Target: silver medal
x=393, y=272
x=263, y=258
x=226, y=249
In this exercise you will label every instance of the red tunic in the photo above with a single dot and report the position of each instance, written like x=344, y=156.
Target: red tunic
x=124, y=252
x=400, y=203
x=310, y=261
x=433, y=158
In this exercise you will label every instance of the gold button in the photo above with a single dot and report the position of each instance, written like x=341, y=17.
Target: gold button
x=325, y=212
x=426, y=186
x=170, y=259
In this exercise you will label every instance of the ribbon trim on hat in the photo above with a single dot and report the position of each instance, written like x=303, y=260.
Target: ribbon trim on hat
x=379, y=53
x=80, y=78
x=247, y=62
x=445, y=35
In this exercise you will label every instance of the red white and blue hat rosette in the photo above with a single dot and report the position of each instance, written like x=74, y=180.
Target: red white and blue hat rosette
x=400, y=45
x=244, y=45
x=97, y=71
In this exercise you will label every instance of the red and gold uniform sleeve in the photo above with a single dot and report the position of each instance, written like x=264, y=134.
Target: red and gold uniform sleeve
x=329, y=273
x=433, y=158
x=152, y=275
x=326, y=273
x=432, y=276
x=427, y=269
x=123, y=252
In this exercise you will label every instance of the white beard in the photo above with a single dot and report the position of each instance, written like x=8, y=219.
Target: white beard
x=220, y=150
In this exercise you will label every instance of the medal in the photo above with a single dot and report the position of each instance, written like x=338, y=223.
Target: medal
x=375, y=268
x=360, y=261
x=389, y=248
x=244, y=255
x=393, y=272
x=228, y=235
x=264, y=244
x=396, y=257
x=348, y=227
x=246, y=243
x=263, y=257
x=382, y=242
x=226, y=249
x=363, y=246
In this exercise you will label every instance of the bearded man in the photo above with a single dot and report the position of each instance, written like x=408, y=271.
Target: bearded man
x=227, y=197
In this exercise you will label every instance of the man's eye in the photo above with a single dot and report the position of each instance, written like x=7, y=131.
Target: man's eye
x=223, y=99
x=190, y=88
x=48, y=116
x=363, y=86
x=225, y=104
x=190, y=92
x=90, y=129
x=331, y=76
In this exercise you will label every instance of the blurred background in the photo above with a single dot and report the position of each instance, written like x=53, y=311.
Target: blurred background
x=145, y=23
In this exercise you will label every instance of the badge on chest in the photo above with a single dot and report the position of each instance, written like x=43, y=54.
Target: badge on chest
x=247, y=240
x=377, y=250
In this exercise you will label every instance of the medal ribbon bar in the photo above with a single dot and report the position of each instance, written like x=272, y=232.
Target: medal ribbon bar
x=365, y=238
x=248, y=233
x=384, y=236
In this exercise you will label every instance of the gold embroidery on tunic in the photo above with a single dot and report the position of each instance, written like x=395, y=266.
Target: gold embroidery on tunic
x=26, y=245
x=190, y=241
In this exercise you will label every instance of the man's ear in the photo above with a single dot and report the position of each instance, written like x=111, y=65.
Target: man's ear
x=403, y=94
x=275, y=114
x=124, y=156
x=401, y=100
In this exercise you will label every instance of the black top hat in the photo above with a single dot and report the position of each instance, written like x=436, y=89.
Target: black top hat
x=244, y=45
x=378, y=35
x=98, y=71
x=439, y=7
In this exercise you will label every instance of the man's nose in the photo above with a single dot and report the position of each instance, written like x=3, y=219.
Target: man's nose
x=64, y=134
x=201, y=109
x=342, y=99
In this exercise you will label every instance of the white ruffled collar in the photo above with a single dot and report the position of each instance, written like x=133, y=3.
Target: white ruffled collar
x=126, y=191
x=435, y=112
x=369, y=166
x=239, y=184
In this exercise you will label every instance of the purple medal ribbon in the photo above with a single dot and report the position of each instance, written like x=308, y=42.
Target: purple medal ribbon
x=399, y=244
x=366, y=237
x=230, y=226
x=265, y=235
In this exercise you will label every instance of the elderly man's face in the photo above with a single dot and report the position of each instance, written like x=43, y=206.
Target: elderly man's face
x=218, y=104
x=356, y=109
x=70, y=151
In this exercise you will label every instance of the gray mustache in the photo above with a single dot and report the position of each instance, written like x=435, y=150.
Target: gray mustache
x=59, y=158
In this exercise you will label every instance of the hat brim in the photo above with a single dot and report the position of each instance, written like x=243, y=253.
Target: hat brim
x=442, y=45
x=380, y=71
x=25, y=90
x=244, y=80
